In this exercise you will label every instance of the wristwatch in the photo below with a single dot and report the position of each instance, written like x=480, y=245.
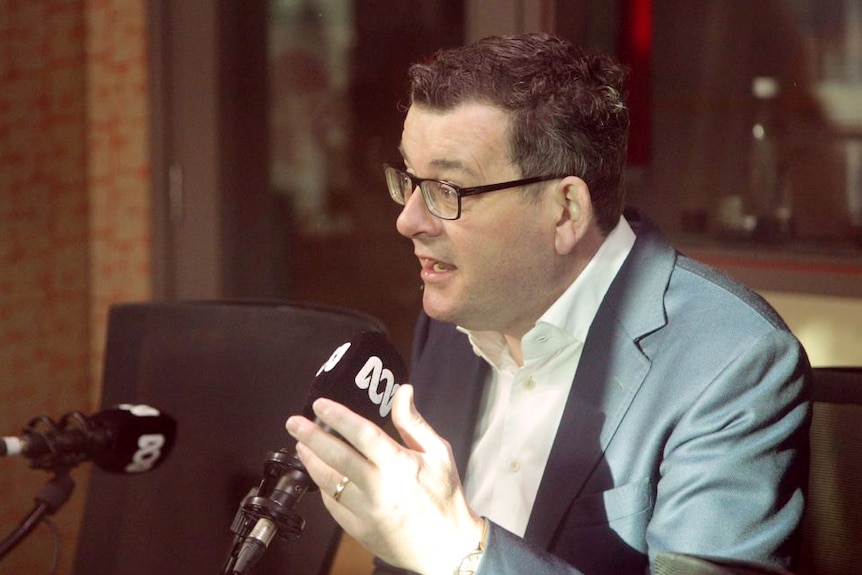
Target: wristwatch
x=470, y=563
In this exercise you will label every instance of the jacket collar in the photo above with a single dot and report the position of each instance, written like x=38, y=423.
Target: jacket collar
x=604, y=386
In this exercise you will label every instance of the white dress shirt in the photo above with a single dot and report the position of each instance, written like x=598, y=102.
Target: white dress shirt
x=522, y=405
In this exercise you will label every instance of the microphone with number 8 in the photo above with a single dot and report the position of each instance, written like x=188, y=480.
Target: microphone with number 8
x=122, y=439
x=362, y=374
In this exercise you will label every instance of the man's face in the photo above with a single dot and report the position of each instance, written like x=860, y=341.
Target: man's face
x=494, y=268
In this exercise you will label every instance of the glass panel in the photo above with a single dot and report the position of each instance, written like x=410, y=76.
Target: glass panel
x=705, y=59
x=337, y=81
x=310, y=74
x=836, y=29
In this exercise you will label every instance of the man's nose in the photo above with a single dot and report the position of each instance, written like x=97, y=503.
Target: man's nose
x=415, y=217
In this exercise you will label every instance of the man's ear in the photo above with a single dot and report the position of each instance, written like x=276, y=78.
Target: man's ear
x=575, y=213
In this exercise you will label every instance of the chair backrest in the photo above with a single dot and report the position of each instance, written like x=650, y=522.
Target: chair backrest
x=681, y=564
x=230, y=374
x=830, y=543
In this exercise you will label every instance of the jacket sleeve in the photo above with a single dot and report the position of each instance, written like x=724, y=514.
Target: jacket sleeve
x=734, y=469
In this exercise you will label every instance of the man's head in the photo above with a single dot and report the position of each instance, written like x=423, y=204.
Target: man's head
x=565, y=105
x=495, y=257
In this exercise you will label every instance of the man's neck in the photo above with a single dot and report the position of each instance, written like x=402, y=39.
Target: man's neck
x=514, y=344
x=587, y=250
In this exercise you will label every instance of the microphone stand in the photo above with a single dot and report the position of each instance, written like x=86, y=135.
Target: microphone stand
x=58, y=489
x=50, y=498
x=285, y=481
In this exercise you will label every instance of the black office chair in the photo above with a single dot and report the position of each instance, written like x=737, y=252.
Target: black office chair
x=681, y=564
x=230, y=374
x=832, y=524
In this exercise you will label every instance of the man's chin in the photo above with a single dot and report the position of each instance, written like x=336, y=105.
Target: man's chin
x=437, y=309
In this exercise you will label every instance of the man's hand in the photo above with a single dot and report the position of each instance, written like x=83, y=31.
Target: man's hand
x=404, y=503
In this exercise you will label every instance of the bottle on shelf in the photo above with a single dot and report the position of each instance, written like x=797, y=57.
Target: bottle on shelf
x=768, y=198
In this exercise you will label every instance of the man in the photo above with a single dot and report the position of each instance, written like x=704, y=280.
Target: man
x=607, y=398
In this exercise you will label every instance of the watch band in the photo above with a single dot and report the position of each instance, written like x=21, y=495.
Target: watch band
x=470, y=563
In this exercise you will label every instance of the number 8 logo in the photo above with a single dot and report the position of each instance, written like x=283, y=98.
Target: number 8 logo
x=150, y=451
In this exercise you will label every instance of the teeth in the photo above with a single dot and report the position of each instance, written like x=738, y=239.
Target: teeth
x=438, y=267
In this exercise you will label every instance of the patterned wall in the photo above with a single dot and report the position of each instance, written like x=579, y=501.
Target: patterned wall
x=74, y=223
x=118, y=171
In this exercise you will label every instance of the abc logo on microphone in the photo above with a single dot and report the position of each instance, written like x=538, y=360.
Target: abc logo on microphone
x=378, y=380
x=140, y=436
x=362, y=374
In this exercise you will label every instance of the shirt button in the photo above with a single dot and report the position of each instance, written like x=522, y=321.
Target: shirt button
x=528, y=384
x=514, y=465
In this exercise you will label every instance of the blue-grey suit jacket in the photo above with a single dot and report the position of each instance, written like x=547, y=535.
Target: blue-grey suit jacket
x=686, y=428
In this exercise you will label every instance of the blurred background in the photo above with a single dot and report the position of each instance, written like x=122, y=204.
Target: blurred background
x=232, y=149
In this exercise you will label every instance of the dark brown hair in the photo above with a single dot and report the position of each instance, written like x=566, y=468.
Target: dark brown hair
x=565, y=104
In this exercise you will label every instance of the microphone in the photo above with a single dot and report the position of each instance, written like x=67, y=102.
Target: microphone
x=362, y=374
x=122, y=439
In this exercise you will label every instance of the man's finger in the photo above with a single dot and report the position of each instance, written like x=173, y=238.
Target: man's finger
x=417, y=434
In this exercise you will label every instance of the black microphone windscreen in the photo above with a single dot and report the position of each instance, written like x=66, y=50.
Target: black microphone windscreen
x=140, y=437
x=361, y=374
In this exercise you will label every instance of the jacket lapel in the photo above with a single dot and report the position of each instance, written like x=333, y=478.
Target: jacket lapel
x=611, y=370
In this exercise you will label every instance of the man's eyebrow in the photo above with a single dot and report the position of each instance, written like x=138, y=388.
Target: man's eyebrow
x=443, y=164
x=452, y=166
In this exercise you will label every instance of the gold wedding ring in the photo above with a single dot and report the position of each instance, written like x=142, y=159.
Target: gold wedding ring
x=339, y=489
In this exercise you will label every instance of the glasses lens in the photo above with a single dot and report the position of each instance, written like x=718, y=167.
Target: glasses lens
x=442, y=199
x=399, y=184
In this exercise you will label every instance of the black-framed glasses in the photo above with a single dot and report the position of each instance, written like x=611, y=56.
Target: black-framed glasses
x=443, y=199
